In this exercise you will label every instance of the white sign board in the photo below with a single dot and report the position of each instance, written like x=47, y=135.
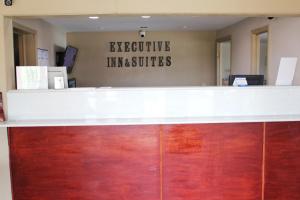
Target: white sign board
x=32, y=77
x=286, y=71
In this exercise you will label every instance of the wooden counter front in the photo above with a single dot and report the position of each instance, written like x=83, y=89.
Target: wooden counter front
x=213, y=161
x=234, y=161
x=282, y=161
x=90, y=163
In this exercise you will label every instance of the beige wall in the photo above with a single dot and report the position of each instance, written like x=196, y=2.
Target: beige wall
x=193, y=60
x=48, y=37
x=241, y=43
x=6, y=56
x=284, y=41
x=64, y=7
x=5, y=188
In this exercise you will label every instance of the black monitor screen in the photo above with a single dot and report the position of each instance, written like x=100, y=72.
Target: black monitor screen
x=70, y=57
x=251, y=79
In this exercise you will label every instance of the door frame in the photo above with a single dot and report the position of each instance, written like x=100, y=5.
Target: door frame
x=24, y=52
x=218, y=58
x=255, y=52
x=27, y=40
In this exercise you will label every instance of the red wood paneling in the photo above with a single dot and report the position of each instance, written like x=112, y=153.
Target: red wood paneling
x=86, y=163
x=282, y=180
x=213, y=162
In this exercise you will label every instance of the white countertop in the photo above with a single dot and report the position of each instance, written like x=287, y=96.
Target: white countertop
x=147, y=121
x=137, y=106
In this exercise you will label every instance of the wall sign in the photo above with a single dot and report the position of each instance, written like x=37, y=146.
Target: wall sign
x=145, y=54
x=43, y=57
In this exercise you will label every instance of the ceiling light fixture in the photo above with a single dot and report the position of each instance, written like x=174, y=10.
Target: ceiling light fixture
x=94, y=17
x=145, y=16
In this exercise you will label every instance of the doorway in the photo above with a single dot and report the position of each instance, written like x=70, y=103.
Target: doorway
x=24, y=46
x=260, y=46
x=223, y=61
x=24, y=43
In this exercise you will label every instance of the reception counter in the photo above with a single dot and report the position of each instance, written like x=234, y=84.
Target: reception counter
x=132, y=106
x=155, y=143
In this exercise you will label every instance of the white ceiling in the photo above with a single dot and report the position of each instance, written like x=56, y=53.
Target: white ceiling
x=133, y=23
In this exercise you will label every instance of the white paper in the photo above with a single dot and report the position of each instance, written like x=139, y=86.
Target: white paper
x=32, y=77
x=242, y=81
x=286, y=71
x=43, y=57
x=59, y=83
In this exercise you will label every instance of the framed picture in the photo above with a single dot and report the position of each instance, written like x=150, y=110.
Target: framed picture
x=72, y=83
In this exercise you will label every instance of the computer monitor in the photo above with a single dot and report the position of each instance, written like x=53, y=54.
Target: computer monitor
x=251, y=79
x=57, y=72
